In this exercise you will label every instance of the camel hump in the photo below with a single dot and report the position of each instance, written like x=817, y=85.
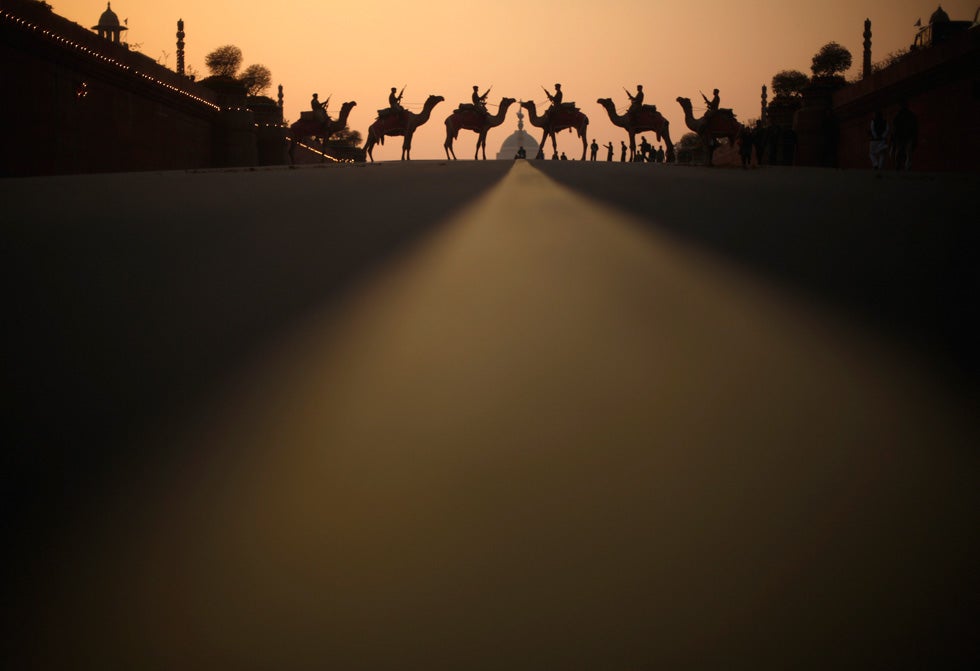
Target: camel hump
x=468, y=107
x=650, y=108
x=570, y=107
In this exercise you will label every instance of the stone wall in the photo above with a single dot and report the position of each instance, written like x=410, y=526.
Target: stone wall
x=76, y=103
x=942, y=87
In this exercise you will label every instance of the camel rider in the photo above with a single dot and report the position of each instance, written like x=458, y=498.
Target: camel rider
x=636, y=102
x=555, y=99
x=395, y=100
x=319, y=108
x=711, y=104
x=480, y=101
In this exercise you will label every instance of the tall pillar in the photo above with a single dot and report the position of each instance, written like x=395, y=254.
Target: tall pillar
x=765, y=99
x=280, y=96
x=180, y=46
x=867, y=49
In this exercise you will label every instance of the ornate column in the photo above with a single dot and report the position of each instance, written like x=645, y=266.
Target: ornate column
x=180, y=47
x=867, y=49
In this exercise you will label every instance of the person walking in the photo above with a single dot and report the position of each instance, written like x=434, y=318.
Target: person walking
x=878, y=144
x=593, y=150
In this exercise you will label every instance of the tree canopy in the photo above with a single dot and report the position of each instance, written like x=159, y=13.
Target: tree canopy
x=256, y=78
x=832, y=60
x=224, y=61
x=789, y=83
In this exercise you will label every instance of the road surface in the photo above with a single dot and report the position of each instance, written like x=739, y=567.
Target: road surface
x=490, y=415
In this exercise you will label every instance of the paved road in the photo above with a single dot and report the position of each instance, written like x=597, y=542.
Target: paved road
x=490, y=416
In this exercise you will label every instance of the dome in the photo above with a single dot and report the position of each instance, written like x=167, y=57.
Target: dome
x=939, y=16
x=519, y=138
x=108, y=18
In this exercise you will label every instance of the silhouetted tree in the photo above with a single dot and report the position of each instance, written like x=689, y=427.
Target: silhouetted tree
x=831, y=61
x=346, y=138
x=789, y=83
x=224, y=61
x=256, y=78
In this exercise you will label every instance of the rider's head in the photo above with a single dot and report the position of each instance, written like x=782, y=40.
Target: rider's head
x=639, y=87
x=716, y=91
x=314, y=95
x=475, y=88
x=557, y=86
x=392, y=89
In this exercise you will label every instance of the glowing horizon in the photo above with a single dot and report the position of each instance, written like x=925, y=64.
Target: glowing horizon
x=360, y=52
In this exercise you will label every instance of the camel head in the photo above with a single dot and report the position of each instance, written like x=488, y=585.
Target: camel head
x=528, y=105
x=605, y=102
x=433, y=100
x=507, y=101
x=684, y=102
x=347, y=106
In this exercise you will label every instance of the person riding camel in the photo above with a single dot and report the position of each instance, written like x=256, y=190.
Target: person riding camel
x=395, y=101
x=636, y=101
x=712, y=105
x=319, y=108
x=555, y=99
x=480, y=101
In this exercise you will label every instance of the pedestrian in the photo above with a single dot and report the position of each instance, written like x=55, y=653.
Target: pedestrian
x=563, y=157
x=609, y=151
x=593, y=149
x=622, y=155
x=745, y=142
x=878, y=144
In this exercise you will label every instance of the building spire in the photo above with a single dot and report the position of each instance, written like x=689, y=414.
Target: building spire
x=867, y=49
x=180, y=47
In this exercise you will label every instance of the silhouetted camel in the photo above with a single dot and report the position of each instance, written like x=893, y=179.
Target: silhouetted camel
x=720, y=124
x=475, y=120
x=643, y=120
x=565, y=117
x=323, y=129
x=401, y=122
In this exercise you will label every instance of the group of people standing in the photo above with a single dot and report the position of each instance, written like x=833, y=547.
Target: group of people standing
x=897, y=139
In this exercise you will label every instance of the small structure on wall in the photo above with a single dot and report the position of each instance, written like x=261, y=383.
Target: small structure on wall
x=109, y=28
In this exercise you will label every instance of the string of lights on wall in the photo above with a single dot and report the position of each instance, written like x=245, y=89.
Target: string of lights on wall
x=49, y=34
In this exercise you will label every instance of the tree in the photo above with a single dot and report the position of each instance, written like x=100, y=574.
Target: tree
x=224, y=61
x=831, y=61
x=347, y=138
x=256, y=78
x=689, y=141
x=789, y=83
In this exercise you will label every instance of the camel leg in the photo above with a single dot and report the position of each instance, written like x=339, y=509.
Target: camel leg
x=585, y=144
x=368, y=146
x=407, y=148
x=632, y=147
x=669, y=156
x=449, y=143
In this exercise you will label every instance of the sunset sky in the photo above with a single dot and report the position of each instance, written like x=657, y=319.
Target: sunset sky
x=358, y=51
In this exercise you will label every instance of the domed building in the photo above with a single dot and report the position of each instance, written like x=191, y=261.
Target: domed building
x=516, y=140
x=109, y=27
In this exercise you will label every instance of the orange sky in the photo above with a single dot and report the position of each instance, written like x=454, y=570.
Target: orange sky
x=358, y=51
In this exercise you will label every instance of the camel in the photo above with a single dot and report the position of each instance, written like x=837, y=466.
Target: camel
x=566, y=117
x=401, y=122
x=646, y=119
x=323, y=129
x=474, y=120
x=721, y=124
